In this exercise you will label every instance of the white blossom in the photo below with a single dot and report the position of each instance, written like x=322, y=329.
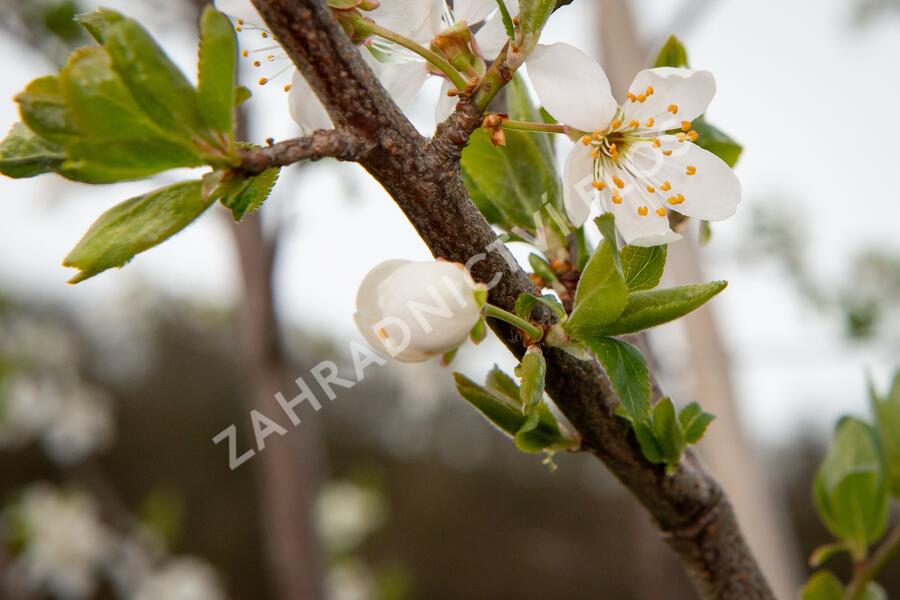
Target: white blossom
x=627, y=155
x=417, y=310
x=184, y=578
x=346, y=513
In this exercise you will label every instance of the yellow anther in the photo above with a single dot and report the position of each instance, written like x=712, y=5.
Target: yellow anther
x=673, y=108
x=613, y=149
x=634, y=124
x=649, y=91
x=586, y=140
x=643, y=211
x=263, y=81
x=642, y=98
x=245, y=54
x=685, y=125
x=595, y=152
x=656, y=142
x=666, y=186
x=649, y=122
x=239, y=29
x=597, y=135
x=256, y=63
x=691, y=169
x=651, y=189
x=661, y=211
x=619, y=183
x=667, y=152
x=615, y=124
x=681, y=137
x=675, y=200
x=631, y=96
x=599, y=185
x=240, y=21
x=680, y=198
x=693, y=135
x=617, y=199
x=382, y=333
x=288, y=87
x=265, y=35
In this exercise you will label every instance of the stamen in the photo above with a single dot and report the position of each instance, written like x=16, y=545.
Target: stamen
x=599, y=185
x=651, y=189
x=693, y=135
x=667, y=152
x=643, y=211
x=617, y=199
x=649, y=91
x=650, y=122
x=673, y=108
x=656, y=142
x=631, y=97
x=586, y=140
x=263, y=81
x=615, y=124
x=619, y=183
x=245, y=53
x=685, y=125
x=681, y=137
x=382, y=333
x=633, y=124
x=288, y=87
x=666, y=186
x=661, y=211
x=642, y=98
x=595, y=152
x=691, y=170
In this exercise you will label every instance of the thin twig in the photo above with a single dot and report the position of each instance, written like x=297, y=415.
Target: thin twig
x=320, y=144
x=870, y=568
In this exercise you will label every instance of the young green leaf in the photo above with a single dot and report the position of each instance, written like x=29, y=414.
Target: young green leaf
x=601, y=295
x=98, y=22
x=627, y=372
x=643, y=267
x=825, y=552
x=532, y=371
x=694, y=421
x=154, y=81
x=823, y=585
x=479, y=332
x=24, y=154
x=526, y=303
x=500, y=382
x=672, y=54
x=533, y=14
x=507, y=19
x=216, y=90
x=649, y=447
x=135, y=226
x=651, y=308
x=668, y=433
x=43, y=109
x=887, y=424
x=850, y=490
x=245, y=195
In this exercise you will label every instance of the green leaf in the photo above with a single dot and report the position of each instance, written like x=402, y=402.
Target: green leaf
x=602, y=294
x=241, y=94
x=510, y=184
x=694, y=421
x=718, y=142
x=135, y=226
x=887, y=425
x=667, y=432
x=643, y=267
x=532, y=371
x=649, y=448
x=850, y=491
x=533, y=14
x=526, y=303
x=506, y=415
x=542, y=269
x=43, y=109
x=823, y=586
x=24, y=154
x=478, y=332
x=825, y=552
x=216, y=90
x=651, y=308
x=672, y=54
x=627, y=372
x=500, y=382
x=154, y=81
x=507, y=19
x=99, y=22
x=245, y=195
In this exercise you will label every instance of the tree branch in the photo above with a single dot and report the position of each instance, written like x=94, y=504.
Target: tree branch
x=319, y=144
x=423, y=178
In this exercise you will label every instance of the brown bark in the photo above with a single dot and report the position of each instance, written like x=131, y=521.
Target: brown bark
x=422, y=176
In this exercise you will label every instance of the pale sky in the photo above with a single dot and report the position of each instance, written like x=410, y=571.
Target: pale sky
x=812, y=100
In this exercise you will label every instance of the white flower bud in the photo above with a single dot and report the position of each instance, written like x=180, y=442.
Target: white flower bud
x=417, y=310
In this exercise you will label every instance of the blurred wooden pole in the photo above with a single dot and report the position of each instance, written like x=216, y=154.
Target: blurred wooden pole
x=725, y=447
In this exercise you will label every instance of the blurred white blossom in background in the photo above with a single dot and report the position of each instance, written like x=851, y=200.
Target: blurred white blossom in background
x=346, y=513
x=349, y=580
x=64, y=543
x=185, y=578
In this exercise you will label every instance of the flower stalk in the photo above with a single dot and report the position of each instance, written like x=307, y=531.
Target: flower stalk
x=495, y=312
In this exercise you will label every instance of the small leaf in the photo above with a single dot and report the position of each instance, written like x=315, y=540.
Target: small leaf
x=823, y=553
x=542, y=269
x=507, y=19
x=24, y=154
x=245, y=195
x=694, y=421
x=499, y=381
x=649, y=448
x=850, y=490
x=823, y=586
x=643, y=267
x=43, y=109
x=99, y=22
x=216, y=90
x=718, y=142
x=241, y=94
x=526, y=303
x=532, y=371
x=533, y=14
x=479, y=332
x=601, y=295
x=627, y=372
x=135, y=226
x=672, y=54
x=667, y=432
x=109, y=161
x=651, y=308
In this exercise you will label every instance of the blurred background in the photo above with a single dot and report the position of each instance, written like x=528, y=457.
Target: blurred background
x=112, y=391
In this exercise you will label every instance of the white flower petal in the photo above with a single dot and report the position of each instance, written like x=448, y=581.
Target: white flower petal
x=686, y=91
x=417, y=19
x=578, y=193
x=305, y=107
x=472, y=11
x=402, y=80
x=240, y=9
x=637, y=218
x=712, y=193
x=571, y=86
x=446, y=104
x=492, y=36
